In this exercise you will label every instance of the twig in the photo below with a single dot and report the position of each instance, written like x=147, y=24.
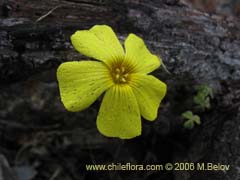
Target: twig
x=165, y=68
x=56, y=173
x=47, y=14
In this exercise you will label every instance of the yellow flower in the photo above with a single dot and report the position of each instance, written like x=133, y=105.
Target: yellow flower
x=130, y=92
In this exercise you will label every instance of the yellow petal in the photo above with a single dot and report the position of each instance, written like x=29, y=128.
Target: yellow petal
x=149, y=92
x=81, y=83
x=119, y=114
x=138, y=54
x=100, y=42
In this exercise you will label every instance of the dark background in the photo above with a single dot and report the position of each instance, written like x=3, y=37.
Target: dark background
x=199, y=43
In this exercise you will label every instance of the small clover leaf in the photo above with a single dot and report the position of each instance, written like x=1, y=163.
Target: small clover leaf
x=196, y=119
x=191, y=119
x=188, y=124
x=205, y=89
x=202, y=99
x=187, y=114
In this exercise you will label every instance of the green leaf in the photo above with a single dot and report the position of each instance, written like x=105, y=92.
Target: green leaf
x=207, y=103
x=202, y=99
x=188, y=124
x=187, y=114
x=191, y=119
x=196, y=119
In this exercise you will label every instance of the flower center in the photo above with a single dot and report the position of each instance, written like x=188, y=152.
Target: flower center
x=120, y=74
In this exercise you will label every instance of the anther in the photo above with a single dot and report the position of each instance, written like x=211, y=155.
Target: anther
x=117, y=76
x=117, y=70
x=123, y=80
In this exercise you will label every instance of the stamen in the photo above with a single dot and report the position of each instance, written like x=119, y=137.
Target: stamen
x=123, y=80
x=117, y=76
x=123, y=69
x=120, y=74
x=117, y=70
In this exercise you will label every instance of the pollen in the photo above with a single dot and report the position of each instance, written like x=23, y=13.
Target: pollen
x=120, y=74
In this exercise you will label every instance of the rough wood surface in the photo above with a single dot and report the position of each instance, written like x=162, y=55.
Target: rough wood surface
x=196, y=48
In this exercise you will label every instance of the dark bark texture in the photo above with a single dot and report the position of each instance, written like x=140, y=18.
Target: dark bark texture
x=38, y=136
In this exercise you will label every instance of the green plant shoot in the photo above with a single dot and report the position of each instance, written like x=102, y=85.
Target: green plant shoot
x=191, y=119
x=202, y=99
